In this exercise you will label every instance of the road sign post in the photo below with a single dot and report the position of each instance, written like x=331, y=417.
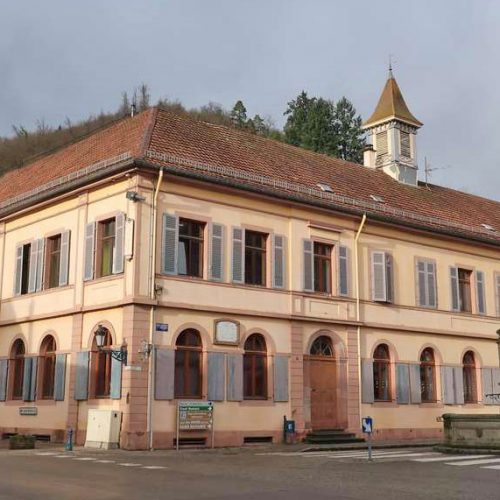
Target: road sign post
x=195, y=416
x=367, y=427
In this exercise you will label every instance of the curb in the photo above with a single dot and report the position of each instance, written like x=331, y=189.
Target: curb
x=365, y=447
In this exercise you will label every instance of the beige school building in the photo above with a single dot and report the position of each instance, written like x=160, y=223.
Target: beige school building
x=164, y=259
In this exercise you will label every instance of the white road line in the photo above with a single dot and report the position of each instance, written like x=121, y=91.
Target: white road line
x=130, y=465
x=402, y=455
x=86, y=459
x=496, y=467
x=63, y=456
x=46, y=453
x=154, y=467
x=105, y=461
x=444, y=458
x=477, y=462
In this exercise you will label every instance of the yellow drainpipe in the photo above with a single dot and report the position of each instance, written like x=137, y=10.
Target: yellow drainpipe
x=152, y=310
x=358, y=315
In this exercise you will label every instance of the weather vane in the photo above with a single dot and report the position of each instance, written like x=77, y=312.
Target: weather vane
x=391, y=61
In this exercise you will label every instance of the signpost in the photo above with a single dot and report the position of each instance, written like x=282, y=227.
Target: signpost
x=195, y=416
x=367, y=427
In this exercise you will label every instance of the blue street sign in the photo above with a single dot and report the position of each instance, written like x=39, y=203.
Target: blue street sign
x=161, y=327
x=367, y=425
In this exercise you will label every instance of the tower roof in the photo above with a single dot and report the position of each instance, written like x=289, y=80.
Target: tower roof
x=391, y=106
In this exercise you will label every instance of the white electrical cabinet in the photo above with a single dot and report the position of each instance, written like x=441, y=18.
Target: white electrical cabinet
x=103, y=429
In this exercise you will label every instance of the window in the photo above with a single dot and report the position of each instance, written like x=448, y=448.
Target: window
x=53, y=261
x=101, y=364
x=382, y=277
x=188, y=381
x=405, y=144
x=322, y=267
x=382, y=148
x=17, y=366
x=25, y=268
x=105, y=247
x=255, y=368
x=427, y=376
x=190, y=248
x=322, y=346
x=381, y=373
x=464, y=295
x=47, y=367
x=469, y=374
x=255, y=258
x=426, y=283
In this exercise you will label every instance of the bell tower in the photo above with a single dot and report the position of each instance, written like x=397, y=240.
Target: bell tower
x=392, y=129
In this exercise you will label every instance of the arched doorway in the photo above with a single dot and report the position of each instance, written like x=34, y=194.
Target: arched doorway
x=326, y=381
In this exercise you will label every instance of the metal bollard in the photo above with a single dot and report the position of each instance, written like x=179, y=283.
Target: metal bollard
x=68, y=446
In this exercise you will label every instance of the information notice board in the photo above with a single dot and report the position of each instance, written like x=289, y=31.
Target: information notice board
x=195, y=416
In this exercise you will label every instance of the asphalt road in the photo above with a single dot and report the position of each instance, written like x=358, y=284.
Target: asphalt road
x=236, y=474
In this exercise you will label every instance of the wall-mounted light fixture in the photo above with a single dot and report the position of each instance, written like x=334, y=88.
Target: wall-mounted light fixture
x=135, y=196
x=100, y=338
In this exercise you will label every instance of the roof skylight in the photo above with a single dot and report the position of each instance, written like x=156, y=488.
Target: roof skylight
x=488, y=227
x=377, y=198
x=325, y=187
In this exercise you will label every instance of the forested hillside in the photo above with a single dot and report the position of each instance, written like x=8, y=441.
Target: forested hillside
x=312, y=123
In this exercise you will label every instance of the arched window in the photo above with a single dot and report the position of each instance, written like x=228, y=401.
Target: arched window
x=428, y=376
x=101, y=362
x=322, y=346
x=381, y=373
x=47, y=366
x=188, y=367
x=17, y=364
x=255, y=368
x=469, y=371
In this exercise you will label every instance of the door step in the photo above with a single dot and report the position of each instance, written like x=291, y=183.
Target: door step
x=332, y=436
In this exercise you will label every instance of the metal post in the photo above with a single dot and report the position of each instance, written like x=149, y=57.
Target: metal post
x=369, y=446
x=69, y=441
x=213, y=427
x=177, y=440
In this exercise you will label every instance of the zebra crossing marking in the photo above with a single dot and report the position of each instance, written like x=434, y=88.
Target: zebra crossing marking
x=154, y=467
x=476, y=462
x=85, y=459
x=130, y=464
x=444, y=458
x=496, y=467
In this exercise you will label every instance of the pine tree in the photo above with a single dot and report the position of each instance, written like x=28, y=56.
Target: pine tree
x=239, y=115
x=348, y=131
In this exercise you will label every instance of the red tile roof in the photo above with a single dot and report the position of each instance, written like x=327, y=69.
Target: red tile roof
x=225, y=154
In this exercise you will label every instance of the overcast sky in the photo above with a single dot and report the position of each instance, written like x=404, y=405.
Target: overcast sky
x=69, y=58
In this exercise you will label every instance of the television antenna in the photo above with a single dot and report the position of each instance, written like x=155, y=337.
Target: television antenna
x=428, y=169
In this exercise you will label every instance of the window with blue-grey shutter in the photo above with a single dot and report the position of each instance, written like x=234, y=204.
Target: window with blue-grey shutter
x=281, y=378
x=164, y=373
x=29, y=379
x=455, y=290
x=426, y=284
x=60, y=377
x=458, y=383
x=402, y=383
x=216, y=376
x=115, y=386
x=343, y=270
x=278, y=261
x=169, y=248
x=367, y=395
x=234, y=390
x=89, y=252
x=308, y=248
x=447, y=385
x=82, y=375
x=238, y=255
x=415, y=384
x=497, y=292
x=33, y=266
x=64, y=261
x=480, y=286
x=487, y=384
x=382, y=277
x=4, y=368
x=19, y=270
x=118, y=257
x=217, y=252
